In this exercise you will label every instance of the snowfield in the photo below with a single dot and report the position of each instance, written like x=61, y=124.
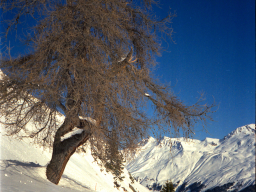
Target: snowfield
x=188, y=163
x=23, y=166
x=193, y=164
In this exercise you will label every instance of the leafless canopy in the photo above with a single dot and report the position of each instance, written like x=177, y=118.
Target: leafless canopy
x=90, y=58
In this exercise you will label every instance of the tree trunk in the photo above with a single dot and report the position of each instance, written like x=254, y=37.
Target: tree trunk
x=62, y=151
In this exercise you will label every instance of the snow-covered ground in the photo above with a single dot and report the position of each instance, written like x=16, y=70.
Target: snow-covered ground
x=23, y=166
x=211, y=162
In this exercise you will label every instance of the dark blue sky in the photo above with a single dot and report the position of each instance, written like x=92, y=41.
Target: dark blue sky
x=214, y=53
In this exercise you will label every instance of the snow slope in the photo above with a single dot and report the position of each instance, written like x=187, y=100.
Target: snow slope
x=197, y=164
x=23, y=166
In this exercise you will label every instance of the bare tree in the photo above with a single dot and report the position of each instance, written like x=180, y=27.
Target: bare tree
x=92, y=61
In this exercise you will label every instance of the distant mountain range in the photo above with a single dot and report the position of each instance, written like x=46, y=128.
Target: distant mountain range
x=212, y=165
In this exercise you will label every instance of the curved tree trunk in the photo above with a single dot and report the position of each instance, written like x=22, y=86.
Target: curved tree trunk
x=62, y=151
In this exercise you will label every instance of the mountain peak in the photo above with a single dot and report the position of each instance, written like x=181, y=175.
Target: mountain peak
x=247, y=129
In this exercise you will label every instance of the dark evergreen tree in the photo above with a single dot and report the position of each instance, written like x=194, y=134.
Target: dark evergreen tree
x=168, y=187
x=114, y=160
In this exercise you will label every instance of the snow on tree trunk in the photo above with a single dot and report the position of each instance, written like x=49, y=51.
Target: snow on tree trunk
x=62, y=151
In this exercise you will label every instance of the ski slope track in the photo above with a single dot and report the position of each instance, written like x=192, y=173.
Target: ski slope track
x=226, y=164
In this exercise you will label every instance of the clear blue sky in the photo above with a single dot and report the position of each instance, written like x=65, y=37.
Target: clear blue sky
x=214, y=53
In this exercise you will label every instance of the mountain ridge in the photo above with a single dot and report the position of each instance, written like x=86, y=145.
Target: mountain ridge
x=227, y=163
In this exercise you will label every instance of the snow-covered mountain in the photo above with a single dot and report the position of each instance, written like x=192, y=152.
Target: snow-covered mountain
x=193, y=165
x=23, y=166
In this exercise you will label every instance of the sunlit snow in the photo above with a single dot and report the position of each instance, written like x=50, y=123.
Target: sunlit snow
x=213, y=162
x=89, y=119
x=23, y=166
x=75, y=131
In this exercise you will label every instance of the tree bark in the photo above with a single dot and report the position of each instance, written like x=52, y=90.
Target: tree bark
x=62, y=151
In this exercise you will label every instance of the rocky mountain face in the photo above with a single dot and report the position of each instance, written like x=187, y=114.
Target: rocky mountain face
x=210, y=165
